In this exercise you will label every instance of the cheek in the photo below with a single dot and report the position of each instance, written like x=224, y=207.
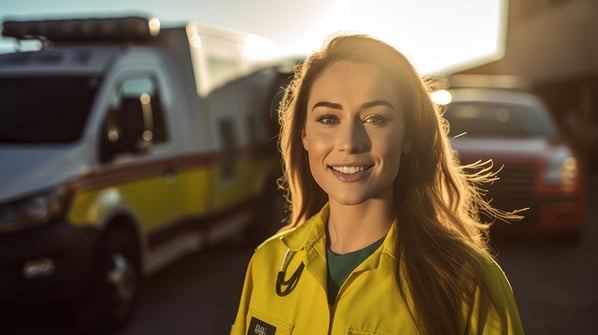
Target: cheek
x=391, y=148
x=317, y=141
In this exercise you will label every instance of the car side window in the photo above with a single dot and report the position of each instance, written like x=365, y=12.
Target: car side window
x=134, y=121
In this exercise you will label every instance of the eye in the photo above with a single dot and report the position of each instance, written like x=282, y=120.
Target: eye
x=327, y=119
x=375, y=120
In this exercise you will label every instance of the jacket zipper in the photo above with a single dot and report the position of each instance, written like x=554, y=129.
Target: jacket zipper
x=331, y=318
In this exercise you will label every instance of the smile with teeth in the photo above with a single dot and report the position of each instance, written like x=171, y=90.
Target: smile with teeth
x=350, y=169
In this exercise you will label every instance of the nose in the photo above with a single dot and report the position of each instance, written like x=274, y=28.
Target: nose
x=353, y=137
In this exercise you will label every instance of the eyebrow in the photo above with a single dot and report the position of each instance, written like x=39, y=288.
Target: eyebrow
x=376, y=103
x=327, y=104
x=365, y=105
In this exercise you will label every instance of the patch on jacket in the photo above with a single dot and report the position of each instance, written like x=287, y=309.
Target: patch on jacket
x=259, y=327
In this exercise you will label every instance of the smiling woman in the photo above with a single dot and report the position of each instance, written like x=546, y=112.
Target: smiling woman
x=381, y=216
x=354, y=135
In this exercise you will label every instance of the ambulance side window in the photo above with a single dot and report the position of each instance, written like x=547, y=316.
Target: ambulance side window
x=135, y=119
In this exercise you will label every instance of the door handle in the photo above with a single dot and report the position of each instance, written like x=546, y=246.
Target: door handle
x=170, y=175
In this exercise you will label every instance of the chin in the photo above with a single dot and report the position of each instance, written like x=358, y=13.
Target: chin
x=351, y=200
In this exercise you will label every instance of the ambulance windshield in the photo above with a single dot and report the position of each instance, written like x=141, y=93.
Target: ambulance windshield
x=48, y=109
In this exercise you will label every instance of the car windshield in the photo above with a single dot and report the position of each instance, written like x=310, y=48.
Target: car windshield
x=45, y=109
x=498, y=120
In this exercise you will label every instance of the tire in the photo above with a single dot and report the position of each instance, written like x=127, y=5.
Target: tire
x=114, y=285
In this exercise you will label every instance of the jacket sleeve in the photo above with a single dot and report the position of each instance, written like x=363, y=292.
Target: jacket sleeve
x=495, y=313
x=238, y=327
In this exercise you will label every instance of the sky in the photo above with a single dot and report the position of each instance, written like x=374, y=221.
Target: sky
x=436, y=35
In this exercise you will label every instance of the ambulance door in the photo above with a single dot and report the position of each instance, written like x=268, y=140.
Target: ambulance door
x=138, y=154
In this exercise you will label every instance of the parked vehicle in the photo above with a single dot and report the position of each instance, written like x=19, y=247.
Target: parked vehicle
x=538, y=169
x=123, y=147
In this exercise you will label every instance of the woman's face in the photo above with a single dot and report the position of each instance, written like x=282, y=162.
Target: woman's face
x=354, y=132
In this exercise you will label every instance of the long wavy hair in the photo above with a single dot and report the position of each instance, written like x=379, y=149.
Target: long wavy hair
x=437, y=201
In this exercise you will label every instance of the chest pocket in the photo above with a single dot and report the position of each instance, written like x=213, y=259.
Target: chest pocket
x=262, y=324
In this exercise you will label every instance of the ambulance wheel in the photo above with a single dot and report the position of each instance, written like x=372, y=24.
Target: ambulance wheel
x=114, y=287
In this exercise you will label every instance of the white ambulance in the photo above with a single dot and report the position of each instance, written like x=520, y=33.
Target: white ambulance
x=124, y=146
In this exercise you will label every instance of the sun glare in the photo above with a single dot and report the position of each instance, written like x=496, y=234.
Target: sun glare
x=257, y=48
x=441, y=97
x=435, y=35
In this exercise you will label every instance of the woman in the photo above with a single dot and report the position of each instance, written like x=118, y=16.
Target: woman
x=383, y=235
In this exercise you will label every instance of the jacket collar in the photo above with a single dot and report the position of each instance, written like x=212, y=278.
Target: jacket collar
x=312, y=231
x=308, y=233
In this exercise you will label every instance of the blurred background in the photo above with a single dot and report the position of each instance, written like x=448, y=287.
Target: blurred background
x=434, y=34
x=484, y=54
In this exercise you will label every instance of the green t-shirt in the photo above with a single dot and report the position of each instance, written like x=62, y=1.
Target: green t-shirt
x=341, y=266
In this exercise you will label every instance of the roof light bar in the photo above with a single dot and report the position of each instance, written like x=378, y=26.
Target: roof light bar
x=89, y=29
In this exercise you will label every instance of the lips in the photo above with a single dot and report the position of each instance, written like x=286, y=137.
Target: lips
x=350, y=172
x=349, y=169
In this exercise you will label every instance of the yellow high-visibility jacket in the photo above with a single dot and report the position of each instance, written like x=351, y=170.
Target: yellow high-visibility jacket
x=368, y=302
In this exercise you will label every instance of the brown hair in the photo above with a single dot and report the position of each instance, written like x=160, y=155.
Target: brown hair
x=440, y=237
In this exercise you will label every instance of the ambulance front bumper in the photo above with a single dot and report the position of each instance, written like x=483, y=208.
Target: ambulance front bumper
x=47, y=264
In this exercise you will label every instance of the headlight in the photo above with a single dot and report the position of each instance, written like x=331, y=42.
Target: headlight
x=33, y=210
x=562, y=168
x=37, y=208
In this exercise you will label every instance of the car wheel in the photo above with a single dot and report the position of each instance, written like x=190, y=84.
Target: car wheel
x=114, y=286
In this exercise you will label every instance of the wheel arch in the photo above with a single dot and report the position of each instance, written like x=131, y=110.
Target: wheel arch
x=125, y=221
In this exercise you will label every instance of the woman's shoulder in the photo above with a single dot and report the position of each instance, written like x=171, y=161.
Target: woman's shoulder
x=273, y=242
x=273, y=245
x=492, y=272
x=293, y=239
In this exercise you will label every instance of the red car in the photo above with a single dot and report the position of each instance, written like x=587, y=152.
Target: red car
x=539, y=169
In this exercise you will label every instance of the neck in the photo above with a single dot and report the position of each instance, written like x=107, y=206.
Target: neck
x=354, y=227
